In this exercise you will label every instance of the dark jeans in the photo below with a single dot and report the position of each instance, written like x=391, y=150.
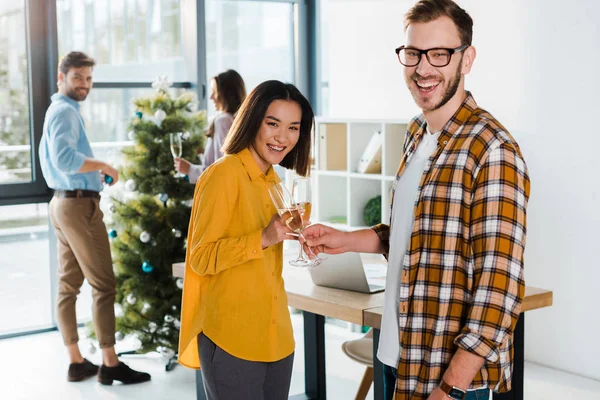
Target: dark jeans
x=389, y=382
x=389, y=385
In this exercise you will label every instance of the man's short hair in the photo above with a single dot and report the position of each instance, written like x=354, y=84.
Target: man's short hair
x=75, y=59
x=430, y=10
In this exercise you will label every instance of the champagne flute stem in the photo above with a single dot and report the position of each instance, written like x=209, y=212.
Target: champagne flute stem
x=309, y=249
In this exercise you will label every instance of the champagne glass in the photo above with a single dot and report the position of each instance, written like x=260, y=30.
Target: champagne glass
x=301, y=195
x=292, y=216
x=176, y=149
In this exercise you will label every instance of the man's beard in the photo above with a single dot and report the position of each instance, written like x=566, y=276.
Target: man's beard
x=75, y=95
x=448, y=93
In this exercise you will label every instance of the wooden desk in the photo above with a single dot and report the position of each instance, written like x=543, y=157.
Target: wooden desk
x=362, y=309
x=534, y=298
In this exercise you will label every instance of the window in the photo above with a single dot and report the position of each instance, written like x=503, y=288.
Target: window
x=24, y=268
x=253, y=37
x=15, y=138
x=131, y=40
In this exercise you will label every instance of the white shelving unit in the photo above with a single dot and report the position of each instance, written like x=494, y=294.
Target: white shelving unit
x=340, y=193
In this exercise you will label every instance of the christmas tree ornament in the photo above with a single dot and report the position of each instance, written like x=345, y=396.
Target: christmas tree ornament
x=130, y=185
x=163, y=197
x=186, y=179
x=118, y=310
x=145, y=237
x=145, y=308
x=91, y=348
x=112, y=233
x=169, y=319
x=131, y=299
x=139, y=114
x=157, y=140
x=177, y=324
x=179, y=283
x=108, y=179
x=176, y=232
x=185, y=136
x=161, y=83
x=147, y=267
x=159, y=116
x=152, y=327
x=131, y=135
x=119, y=335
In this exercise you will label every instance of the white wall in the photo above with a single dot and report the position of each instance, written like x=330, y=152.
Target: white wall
x=538, y=71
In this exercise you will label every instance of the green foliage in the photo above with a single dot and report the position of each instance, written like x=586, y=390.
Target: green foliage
x=372, y=212
x=149, y=164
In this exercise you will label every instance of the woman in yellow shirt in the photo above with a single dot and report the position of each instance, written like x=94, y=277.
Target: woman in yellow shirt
x=235, y=320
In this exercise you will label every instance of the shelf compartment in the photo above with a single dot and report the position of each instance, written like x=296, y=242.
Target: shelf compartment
x=360, y=136
x=332, y=201
x=332, y=147
x=361, y=191
x=393, y=140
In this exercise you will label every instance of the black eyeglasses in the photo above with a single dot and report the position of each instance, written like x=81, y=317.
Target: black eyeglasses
x=437, y=57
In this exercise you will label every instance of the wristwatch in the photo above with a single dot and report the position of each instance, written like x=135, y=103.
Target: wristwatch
x=452, y=391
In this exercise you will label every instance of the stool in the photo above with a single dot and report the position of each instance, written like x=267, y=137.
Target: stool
x=361, y=351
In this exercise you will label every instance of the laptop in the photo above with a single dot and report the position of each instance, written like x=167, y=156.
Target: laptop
x=347, y=271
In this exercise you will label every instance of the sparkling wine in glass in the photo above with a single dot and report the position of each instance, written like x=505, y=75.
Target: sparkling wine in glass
x=176, y=149
x=301, y=194
x=291, y=215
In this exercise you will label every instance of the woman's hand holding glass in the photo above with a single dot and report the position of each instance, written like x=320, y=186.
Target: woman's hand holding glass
x=182, y=165
x=275, y=232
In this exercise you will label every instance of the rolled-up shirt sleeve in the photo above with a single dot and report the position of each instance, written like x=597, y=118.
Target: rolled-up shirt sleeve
x=383, y=232
x=63, y=134
x=498, y=231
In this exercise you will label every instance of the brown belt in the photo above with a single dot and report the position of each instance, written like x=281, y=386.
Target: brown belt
x=76, y=194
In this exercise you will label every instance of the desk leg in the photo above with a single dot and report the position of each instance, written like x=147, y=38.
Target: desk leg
x=314, y=358
x=517, y=391
x=377, y=368
x=200, y=393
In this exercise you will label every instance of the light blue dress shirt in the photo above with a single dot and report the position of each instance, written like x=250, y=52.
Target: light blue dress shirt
x=65, y=146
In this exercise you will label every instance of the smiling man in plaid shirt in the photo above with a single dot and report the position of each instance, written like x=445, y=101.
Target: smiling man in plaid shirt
x=456, y=236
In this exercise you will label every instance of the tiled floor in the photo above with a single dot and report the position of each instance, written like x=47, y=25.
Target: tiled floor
x=34, y=367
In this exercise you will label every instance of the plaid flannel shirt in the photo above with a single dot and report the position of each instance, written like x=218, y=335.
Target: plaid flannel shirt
x=462, y=276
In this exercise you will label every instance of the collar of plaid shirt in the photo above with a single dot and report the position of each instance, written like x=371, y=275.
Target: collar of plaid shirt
x=462, y=282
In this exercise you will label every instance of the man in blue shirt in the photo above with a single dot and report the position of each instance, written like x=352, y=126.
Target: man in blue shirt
x=70, y=168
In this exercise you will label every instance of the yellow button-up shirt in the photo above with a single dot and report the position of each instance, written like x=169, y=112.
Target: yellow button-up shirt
x=233, y=289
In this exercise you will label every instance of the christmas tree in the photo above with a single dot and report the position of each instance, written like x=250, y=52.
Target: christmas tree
x=150, y=219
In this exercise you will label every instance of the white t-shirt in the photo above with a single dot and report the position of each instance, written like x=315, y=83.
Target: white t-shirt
x=401, y=225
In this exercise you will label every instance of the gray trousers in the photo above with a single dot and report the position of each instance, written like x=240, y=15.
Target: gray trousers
x=227, y=377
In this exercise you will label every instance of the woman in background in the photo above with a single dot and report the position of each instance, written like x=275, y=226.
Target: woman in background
x=228, y=92
x=235, y=320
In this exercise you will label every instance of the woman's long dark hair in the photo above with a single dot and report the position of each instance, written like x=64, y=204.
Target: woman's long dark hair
x=231, y=92
x=252, y=113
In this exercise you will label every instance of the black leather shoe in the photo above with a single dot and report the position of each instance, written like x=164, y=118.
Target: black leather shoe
x=121, y=373
x=80, y=371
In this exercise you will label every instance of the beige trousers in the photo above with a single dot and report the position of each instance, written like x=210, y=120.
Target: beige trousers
x=83, y=253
